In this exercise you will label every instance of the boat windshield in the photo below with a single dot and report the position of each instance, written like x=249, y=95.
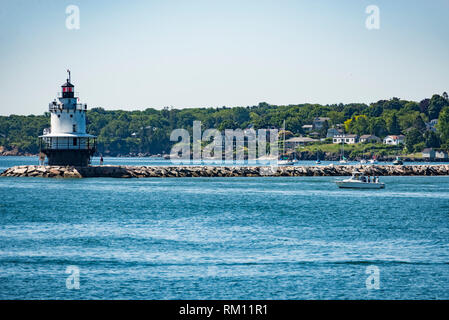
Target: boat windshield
x=357, y=175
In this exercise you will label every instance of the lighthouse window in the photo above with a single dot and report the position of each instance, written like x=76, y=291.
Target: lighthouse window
x=74, y=128
x=75, y=141
x=71, y=116
x=59, y=116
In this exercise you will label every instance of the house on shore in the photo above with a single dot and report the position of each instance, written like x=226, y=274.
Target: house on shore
x=428, y=153
x=369, y=138
x=346, y=138
x=441, y=155
x=394, y=140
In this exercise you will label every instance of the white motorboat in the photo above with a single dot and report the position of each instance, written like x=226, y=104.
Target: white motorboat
x=398, y=162
x=343, y=160
x=372, y=161
x=286, y=163
x=359, y=181
x=363, y=161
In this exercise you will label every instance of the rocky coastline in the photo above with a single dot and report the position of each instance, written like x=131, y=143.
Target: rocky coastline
x=218, y=171
x=15, y=152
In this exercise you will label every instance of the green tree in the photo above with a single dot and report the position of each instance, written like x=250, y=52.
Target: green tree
x=323, y=130
x=432, y=139
x=424, y=106
x=443, y=126
x=360, y=125
x=294, y=125
x=412, y=138
x=437, y=103
x=378, y=127
x=419, y=123
x=393, y=125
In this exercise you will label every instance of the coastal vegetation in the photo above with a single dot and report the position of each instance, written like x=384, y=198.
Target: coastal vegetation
x=359, y=150
x=148, y=131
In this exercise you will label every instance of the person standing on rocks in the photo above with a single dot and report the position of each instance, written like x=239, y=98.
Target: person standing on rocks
x=41, y=159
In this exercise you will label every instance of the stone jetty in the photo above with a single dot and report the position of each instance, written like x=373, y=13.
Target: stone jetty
x=221, y=171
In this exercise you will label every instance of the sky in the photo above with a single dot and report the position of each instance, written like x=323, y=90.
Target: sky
x=133, y=55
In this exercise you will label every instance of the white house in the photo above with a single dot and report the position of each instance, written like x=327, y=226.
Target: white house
x=394, y=140
x=428, y=153
x=346, y=138
x=369, y=138
x=441, y=155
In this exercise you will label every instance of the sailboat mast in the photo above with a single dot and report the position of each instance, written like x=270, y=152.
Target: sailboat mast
x=283, y=144
x=342, y=154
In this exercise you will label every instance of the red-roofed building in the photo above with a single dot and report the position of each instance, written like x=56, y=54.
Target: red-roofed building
x=394, y=140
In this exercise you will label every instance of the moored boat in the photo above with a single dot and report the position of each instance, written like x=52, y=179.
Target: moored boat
x=398, y=162
x=342, y=154
x=286, y=162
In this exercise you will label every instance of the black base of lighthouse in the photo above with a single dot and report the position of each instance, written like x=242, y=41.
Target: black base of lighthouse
x=78, y=158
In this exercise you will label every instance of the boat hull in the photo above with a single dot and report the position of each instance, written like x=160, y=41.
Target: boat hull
x=285, y=163
x=359, y=185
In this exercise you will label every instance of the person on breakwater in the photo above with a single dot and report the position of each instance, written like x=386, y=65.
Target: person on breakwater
x=101, y=160
x=41, y=159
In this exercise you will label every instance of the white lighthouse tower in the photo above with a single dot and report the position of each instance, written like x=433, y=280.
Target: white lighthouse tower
x=67, y=142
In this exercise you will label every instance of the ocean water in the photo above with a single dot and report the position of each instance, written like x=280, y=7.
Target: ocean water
x=222, y=238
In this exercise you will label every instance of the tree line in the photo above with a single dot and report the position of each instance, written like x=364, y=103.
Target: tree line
x=148, y=131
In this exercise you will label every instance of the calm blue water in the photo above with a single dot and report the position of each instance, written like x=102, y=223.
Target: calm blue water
x=222, y=238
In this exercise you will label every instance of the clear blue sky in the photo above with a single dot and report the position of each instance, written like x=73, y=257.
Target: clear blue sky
x=138, y=54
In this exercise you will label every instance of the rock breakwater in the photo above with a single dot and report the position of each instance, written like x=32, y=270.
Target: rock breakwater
x=218, y=171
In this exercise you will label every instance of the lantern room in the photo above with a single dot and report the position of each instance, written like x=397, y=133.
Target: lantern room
x=68, y=88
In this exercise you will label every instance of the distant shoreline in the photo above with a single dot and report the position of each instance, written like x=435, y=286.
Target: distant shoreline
x=311, y=158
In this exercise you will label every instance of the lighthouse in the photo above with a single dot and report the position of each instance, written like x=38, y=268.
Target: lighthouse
x=67, y=143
